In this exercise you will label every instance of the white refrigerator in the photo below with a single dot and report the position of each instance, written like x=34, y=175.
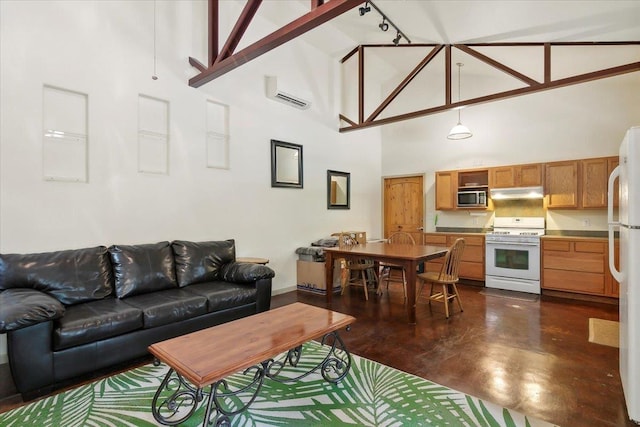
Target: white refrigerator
x=628, y=223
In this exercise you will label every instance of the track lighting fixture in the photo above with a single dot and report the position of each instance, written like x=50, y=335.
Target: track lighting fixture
x=364, y=9
x=397, y=39
x=386, y=22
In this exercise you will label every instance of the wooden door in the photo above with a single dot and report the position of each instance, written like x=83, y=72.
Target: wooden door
x=404, y=206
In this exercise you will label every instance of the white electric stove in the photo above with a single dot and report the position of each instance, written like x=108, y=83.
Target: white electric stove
x=513, y=254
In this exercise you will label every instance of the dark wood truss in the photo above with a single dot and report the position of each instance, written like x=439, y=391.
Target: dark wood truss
x=225, y=60
x=532, y=85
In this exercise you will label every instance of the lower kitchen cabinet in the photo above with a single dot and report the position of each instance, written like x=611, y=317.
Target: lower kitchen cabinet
x=579, y=265
x=472, y=263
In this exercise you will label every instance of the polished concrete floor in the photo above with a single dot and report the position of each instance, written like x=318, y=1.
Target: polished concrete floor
x=533, y=357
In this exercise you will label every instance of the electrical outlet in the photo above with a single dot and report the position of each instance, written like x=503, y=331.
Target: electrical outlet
x=586, y=222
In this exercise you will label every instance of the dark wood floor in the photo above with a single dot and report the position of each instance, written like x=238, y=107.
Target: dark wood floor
x=533, y=357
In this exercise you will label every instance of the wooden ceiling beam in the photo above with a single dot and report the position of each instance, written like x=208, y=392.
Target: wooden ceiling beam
x=214, y=22
x=532, y=85
x=321, y=13
x=496, y=64
x=249, y=11
x=427, y=59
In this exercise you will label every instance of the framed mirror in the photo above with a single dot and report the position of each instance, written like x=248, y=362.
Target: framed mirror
x=286, y=164
x=338, y=190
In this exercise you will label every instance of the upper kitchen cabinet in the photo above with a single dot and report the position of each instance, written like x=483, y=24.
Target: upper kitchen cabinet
x=449, y=183
x=446, y=190
x=529, y=175
x=561, y=184
x=579, y=183
x=594, y=182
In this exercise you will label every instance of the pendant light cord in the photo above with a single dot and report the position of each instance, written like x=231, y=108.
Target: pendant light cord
x=459, y=64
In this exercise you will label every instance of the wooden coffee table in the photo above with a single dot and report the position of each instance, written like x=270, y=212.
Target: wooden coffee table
x=203, y=359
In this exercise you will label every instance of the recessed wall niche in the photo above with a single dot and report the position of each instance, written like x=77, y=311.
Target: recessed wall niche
x=153, y=135
x=217, y=135
x=64, y=144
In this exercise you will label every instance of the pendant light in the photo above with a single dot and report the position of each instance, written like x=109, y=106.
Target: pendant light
x=459, y=131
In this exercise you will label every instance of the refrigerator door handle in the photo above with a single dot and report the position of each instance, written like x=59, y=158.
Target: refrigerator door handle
x=614, y=175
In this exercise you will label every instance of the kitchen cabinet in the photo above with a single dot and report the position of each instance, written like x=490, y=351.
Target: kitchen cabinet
x=578, y=265
x=528, y=175
x=579, y=183
x=448, y=183
x=595, y=175
x=472, y=262
x=561, y=184
x=446, y=190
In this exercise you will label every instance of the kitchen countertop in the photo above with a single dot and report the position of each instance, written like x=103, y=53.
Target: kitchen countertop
x=549, y=234
x=576, y=233
x=461, y=230
x=562, y=237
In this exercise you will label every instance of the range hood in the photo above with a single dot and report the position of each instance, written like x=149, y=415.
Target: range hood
x=517, y=193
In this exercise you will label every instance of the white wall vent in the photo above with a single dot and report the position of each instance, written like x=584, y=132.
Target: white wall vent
x=277, y=94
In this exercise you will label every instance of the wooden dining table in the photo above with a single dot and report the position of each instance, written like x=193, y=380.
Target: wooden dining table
x=407, y=256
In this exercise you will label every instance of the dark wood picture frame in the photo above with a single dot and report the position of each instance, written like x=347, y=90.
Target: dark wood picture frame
x=338, y=190
x=286, y=164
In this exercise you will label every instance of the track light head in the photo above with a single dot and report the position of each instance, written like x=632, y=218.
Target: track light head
x=383, y=25
x=364, y=9
x=397, y=39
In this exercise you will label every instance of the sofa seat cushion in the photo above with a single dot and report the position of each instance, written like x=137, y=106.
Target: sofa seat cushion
x=140, y=269
x=94, y=321
x=163, y=307
x=223, y=295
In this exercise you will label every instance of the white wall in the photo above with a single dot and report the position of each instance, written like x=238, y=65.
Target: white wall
x=105, y=50
x=581, y=121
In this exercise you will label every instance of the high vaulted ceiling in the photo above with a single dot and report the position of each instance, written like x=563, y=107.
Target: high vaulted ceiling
x=456, y=23
x=469, y=21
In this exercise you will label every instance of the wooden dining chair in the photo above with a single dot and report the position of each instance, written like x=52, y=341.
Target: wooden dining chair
x=403, y=238
x=447, y=277
x=364, y=269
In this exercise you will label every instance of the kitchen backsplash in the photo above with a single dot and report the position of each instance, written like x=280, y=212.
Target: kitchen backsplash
x=556, y=219
x=519, y=207
x=588, y=220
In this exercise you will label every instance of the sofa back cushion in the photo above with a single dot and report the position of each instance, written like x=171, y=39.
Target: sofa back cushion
x=139, y=269
x=198, y=262
x=70, y=276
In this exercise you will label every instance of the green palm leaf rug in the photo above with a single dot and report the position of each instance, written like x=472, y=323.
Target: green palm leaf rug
x=372, y=394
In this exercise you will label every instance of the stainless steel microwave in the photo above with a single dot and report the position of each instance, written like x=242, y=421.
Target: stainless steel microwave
x=472, y=199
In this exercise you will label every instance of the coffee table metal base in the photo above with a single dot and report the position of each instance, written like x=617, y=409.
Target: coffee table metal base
x=176, y=399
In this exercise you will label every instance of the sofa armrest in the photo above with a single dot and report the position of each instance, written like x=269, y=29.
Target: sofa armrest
x=244, y=272
x=22, y=307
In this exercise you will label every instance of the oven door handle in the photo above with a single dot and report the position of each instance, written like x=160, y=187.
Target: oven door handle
x=511, y=244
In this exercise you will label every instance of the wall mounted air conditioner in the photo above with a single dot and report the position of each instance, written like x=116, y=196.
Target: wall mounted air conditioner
x=277, y=94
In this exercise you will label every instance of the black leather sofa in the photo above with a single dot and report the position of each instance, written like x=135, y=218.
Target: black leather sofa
x=72, y=312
